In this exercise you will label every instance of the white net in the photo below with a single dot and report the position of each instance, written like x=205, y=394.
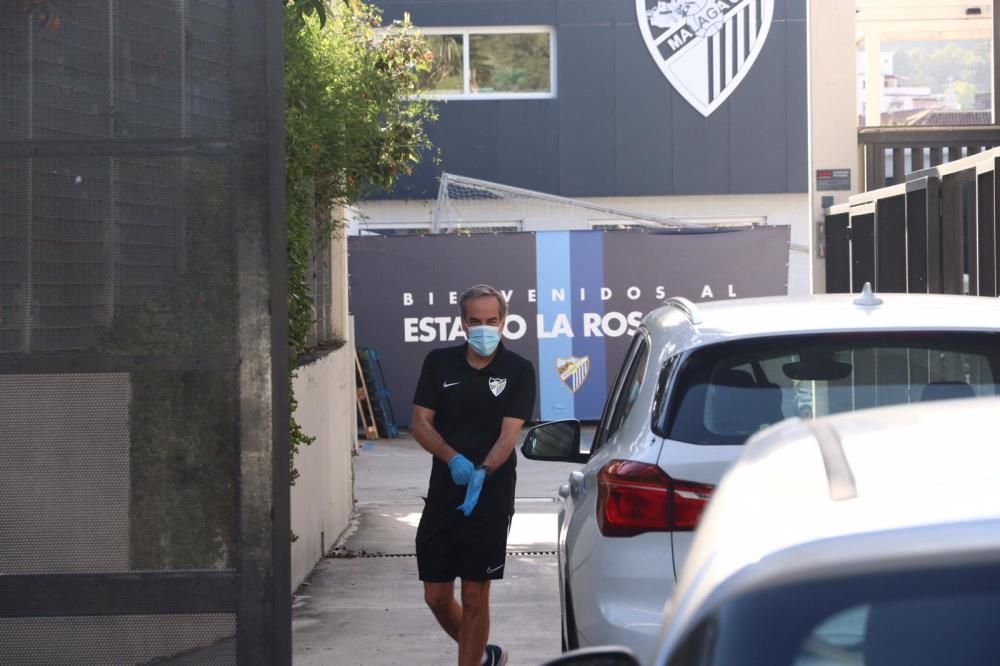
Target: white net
x=470, y=205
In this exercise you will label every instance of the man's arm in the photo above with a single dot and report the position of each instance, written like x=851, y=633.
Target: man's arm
x=510, y=430
x=428, y=437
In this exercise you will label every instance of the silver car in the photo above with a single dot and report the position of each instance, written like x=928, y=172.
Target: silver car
x=870, y=539
x=698, y=381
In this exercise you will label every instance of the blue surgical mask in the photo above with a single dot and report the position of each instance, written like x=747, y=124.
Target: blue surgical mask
x=484, y=339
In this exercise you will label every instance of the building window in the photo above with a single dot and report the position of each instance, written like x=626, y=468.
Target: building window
x=424, y=228
x=377, y=230
x=481, y=227
x=619, y=225
x=491, y=63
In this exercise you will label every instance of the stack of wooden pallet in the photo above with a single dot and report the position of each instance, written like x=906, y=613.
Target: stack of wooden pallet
x=366, y=415
x=378, y=392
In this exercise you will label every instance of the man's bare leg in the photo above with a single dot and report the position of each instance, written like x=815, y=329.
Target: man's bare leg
x=475, y=622
x=440, y=598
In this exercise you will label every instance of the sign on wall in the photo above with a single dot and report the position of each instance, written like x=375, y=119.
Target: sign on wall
x=705, y=48
x=575, y=297
x=833, y=180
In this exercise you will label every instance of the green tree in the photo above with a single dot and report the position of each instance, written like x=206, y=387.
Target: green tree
x=965, y=93
x=355, y=123
x=964, y=66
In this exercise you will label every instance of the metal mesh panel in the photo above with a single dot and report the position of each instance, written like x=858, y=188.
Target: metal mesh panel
x=13, y=253
x=65, y=293
x=166, y=640
x=183, y=464
x=149, y=43
x=208, y=67
x=120, y=254
x=174, y=257
x=116, y=68
x=13, y=74
x=64, y=473
x=69, y=82
x=117, y=472
x=136, y=453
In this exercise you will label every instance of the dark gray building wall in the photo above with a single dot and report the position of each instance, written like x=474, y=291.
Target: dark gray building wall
x=617, y=127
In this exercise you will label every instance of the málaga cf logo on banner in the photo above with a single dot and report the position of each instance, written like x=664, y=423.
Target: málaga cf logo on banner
x=573, y=371
x=705, y=47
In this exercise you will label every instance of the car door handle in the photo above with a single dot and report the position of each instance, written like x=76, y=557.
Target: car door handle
x=564, y=490
x=575, y=482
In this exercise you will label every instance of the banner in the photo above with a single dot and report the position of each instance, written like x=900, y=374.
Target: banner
x=575, y=297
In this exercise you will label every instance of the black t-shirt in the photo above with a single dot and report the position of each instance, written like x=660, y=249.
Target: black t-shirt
x=470, y=405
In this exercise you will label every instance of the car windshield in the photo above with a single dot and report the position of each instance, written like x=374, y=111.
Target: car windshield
x=932, y=615
x=726, y=392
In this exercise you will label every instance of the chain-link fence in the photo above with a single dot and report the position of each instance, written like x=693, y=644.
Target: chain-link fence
x=143, y=371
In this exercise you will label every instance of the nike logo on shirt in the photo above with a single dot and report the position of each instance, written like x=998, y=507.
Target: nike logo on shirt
x=447, y=385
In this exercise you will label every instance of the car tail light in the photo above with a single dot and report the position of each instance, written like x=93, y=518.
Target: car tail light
x=635, y=497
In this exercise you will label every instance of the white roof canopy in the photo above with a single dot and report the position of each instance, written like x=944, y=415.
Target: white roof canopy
x=899, y=20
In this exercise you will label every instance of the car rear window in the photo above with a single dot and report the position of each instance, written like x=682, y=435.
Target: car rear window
x=726, y=392
x=932, y=615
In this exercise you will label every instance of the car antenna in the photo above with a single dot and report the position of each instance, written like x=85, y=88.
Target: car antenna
x=868, y=297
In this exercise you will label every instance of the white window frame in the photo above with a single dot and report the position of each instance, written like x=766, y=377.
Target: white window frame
x=367, y=227
x=466, y=31
x=609, y=224
x=482, y=226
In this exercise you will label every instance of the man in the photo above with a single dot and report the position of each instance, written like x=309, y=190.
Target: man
x=470, y=404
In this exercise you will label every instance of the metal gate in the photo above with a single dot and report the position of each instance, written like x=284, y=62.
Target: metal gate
x=935, y=233
x=143, y=364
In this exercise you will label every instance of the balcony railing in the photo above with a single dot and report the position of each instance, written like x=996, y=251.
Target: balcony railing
x=891, y=153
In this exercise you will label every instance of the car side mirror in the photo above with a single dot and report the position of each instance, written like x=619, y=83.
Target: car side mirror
x=611, y=655
x=555, y=441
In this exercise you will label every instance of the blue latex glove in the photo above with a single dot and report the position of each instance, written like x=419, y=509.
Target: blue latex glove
x=461, y=469
x=472, y=492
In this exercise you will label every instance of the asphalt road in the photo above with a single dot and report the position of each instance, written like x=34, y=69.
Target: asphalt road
x=363, y=604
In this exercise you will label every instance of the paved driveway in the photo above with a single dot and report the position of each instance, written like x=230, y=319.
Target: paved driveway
x=363, y=605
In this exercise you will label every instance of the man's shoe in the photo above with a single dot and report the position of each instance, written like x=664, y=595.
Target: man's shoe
x=495, y=656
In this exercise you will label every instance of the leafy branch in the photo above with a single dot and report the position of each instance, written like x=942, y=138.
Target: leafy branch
x=354, y=123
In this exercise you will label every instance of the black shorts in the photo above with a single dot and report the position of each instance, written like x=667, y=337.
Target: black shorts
x=451, y=545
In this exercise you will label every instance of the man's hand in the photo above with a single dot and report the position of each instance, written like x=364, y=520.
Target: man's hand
x=472, y=492
x=461, y=469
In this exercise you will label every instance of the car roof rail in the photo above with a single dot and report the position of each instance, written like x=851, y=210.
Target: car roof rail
x=839, y=476
x=689, y=309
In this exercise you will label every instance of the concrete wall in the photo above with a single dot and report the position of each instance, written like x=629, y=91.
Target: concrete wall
x=833, y=117
x=323, y=494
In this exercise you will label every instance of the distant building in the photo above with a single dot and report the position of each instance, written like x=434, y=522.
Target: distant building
x=613, y=124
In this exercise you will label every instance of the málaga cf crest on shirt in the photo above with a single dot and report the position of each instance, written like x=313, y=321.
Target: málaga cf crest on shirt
x=705, y=47
x=497, y=385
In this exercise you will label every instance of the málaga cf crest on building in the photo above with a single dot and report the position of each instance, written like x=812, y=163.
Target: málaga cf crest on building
x=705, y=47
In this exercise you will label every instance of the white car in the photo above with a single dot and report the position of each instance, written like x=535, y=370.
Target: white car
x=698, y=381
x=869, y=539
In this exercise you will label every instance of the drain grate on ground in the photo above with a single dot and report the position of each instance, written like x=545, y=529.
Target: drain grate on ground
x=345, y=554
x=527, y=553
